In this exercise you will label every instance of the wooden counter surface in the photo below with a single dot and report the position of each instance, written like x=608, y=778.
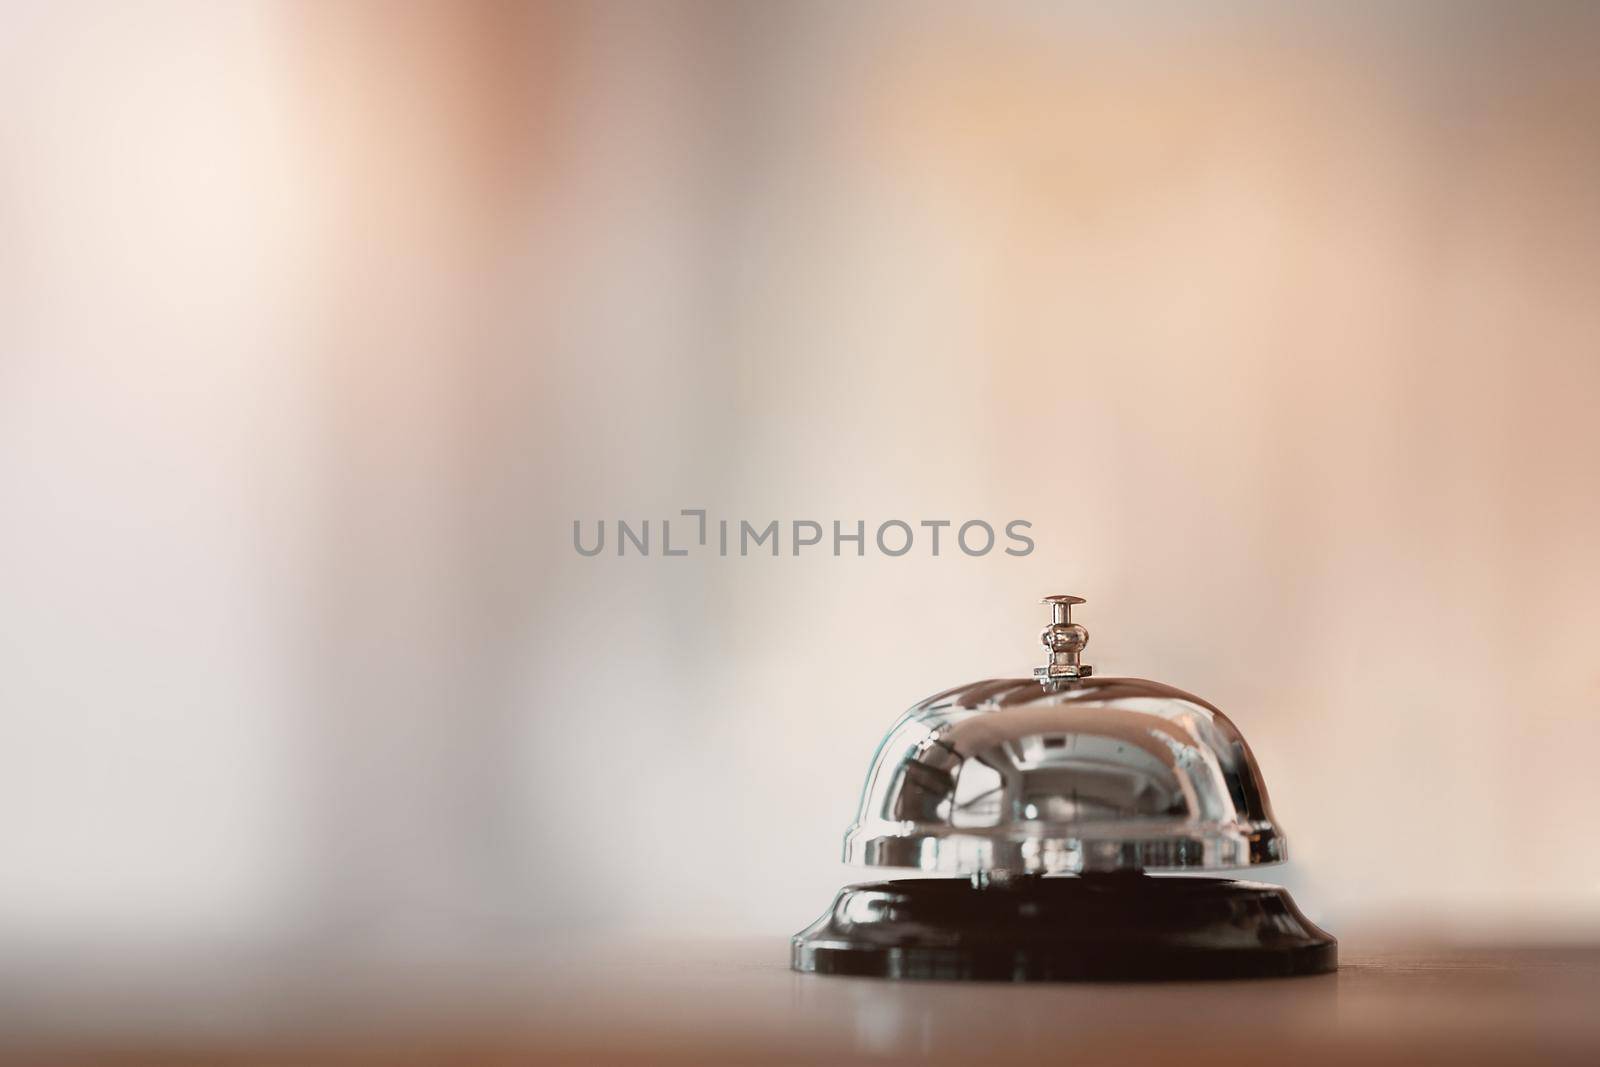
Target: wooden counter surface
x=737, y=1003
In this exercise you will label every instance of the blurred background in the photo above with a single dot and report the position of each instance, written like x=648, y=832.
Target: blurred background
x=320, y=324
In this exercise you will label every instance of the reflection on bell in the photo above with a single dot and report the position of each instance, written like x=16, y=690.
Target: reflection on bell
x=1048, y=803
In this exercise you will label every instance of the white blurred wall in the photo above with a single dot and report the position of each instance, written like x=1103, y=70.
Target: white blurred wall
x=155, y=441
x=323, y=324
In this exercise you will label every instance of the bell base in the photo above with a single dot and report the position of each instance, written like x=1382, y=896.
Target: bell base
x=1109, y=927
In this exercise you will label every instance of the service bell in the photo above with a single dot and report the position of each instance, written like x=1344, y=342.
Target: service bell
x=1068, y=814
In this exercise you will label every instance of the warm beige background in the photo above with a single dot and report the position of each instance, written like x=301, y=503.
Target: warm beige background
x=319, y=324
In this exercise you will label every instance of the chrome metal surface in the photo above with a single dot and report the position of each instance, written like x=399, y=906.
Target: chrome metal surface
x=1064, y=640
x=1076, y=775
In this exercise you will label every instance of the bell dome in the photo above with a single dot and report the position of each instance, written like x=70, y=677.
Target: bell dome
x=1064, y=773
x=1091, y=774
